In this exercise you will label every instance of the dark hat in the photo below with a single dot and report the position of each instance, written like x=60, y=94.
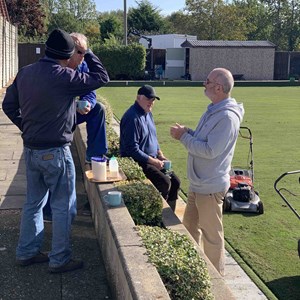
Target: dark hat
x=59, y=45
x=148, y=91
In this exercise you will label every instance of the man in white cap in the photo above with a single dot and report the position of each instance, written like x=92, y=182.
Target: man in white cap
x=41, y=103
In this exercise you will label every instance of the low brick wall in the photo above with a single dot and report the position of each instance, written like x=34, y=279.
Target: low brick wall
x=131, y=276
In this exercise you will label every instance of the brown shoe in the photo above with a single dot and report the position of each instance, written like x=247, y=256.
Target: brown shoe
x=72, y=265
x=41, y=257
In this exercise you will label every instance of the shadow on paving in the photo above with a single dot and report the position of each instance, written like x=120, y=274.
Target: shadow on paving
x=34, y=282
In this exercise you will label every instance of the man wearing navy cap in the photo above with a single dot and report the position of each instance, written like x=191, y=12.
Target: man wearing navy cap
x=138, y=139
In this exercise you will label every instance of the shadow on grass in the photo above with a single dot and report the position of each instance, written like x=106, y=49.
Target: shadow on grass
x=286, y=288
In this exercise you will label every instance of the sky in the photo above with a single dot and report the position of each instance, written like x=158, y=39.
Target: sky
x=166, y=6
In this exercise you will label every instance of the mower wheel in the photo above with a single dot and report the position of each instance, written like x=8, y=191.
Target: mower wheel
x=226, y=205
x=260, y=208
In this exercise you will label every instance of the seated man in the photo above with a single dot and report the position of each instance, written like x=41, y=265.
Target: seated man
x=138, y=140
x=94, y=113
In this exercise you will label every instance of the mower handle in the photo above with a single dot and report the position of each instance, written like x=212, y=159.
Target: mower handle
x=280, y=194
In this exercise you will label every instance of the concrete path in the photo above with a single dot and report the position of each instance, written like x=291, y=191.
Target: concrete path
x=34, y=282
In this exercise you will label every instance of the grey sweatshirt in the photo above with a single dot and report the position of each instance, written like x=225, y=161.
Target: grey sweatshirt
x=211, y=147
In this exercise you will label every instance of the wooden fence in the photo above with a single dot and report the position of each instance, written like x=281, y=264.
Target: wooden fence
x=8, y=51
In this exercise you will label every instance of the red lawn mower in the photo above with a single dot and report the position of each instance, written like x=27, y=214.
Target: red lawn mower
x=241, y=196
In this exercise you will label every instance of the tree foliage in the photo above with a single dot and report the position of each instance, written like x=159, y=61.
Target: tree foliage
x=111, y=26
x=71, y=15
x=275, y=20
x=28, y=15
x=145, y=18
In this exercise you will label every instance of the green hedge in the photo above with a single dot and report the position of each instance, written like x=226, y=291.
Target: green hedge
x=123, y=62
x=183, y=272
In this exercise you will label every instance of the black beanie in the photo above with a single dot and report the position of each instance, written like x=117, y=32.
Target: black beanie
x=59, y=45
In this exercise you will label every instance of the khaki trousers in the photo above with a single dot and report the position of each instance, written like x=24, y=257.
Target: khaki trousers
x=203, y=219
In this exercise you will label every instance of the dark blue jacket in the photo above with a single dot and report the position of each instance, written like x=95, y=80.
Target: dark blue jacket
x=41, y=100
x=138, y=138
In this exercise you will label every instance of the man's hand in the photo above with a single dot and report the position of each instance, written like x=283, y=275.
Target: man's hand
x=85, y=110
x=159, y=164
x=177, y=131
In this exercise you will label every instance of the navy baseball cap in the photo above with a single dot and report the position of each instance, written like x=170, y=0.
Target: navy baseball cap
x=148, y=91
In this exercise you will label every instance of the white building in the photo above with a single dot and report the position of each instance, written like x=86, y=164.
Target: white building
x=174, y=67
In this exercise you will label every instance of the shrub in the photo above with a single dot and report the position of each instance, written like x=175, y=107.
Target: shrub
x=131, y=168
x=182, y=270
x=143, y=202
x=122, y=62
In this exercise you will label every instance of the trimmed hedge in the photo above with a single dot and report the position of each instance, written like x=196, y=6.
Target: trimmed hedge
x=123, y=62
x=183, y=272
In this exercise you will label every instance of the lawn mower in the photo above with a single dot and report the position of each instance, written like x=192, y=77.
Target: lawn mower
x=241, y=196
x=280, y=193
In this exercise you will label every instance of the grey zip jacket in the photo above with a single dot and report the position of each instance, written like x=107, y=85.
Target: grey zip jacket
x=211, y=147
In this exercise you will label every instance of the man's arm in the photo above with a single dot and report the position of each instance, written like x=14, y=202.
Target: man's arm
x=11, y=105
x=130, y=139
x=220, y=136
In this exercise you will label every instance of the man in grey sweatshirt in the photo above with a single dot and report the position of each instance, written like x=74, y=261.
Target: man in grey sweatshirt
x=210, y=151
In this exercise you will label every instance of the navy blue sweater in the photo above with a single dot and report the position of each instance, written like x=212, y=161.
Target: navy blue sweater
x=138, y=138
x=41, y=100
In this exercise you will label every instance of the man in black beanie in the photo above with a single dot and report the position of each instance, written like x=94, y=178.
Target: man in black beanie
x=41, y=103
x=59, y=45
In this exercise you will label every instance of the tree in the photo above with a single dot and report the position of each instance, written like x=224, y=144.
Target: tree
x=145, y=18
x=28, y=15
x=71, y=15
x=181, y=23
x=111, y=26
x=215, y=19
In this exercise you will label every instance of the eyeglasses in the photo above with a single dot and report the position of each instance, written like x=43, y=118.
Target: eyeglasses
x=207, y=81
x=80, y=52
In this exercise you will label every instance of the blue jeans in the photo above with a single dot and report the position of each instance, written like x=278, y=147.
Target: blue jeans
x=96, y=130
x=48, y=170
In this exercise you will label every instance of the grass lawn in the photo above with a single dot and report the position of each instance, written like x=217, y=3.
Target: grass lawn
x=268, y=242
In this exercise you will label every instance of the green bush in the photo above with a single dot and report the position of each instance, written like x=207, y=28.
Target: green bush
x=183, y=272
x=143, y=202
x=122, y=62
x=131, y=169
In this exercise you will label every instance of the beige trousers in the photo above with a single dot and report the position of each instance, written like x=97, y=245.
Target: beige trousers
x=203, y=219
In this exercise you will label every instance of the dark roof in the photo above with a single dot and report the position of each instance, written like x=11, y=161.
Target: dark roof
x=3, y=10
x=203, y=43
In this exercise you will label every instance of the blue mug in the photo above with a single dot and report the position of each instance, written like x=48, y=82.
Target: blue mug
x=81, y=104
x=167, y=165
x=113, y=198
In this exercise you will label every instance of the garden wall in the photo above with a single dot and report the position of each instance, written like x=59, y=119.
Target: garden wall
x=131, y=276
x=8, y=52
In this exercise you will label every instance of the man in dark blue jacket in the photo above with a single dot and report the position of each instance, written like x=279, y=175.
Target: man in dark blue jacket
x=138, y=139
x=93, y=114
x=41, y=102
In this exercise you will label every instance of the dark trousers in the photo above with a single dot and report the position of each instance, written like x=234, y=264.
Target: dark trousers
x=167, y=184
x=96, y=130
